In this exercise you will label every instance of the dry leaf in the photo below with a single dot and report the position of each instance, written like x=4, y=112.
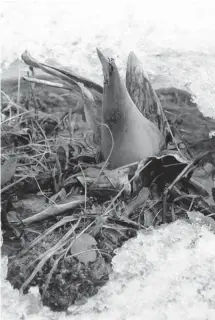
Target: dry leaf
x=8, y=170
x=82, y=248
x=164, y=169
x=108, y=179
x=58, y=197
x=139, y=201
x=149, y=218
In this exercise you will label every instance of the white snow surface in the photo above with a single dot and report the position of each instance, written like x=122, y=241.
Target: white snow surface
x=169, y=273
x=173, y=39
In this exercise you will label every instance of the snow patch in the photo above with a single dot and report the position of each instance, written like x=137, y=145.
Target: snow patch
x=172, y=39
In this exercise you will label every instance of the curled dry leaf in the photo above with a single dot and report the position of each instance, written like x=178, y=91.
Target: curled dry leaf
x=8, y=169
x=163, y=169
x=83, y=248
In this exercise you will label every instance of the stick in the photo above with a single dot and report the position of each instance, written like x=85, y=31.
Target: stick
x=13, y=184
x=54, y=210
x=46, y=83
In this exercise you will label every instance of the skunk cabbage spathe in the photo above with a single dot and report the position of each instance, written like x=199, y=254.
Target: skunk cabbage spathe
x=126, y=135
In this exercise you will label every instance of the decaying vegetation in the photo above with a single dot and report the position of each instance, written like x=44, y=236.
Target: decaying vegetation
x=64, y=212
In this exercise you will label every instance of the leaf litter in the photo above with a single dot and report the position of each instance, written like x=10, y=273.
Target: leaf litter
x=89, y=210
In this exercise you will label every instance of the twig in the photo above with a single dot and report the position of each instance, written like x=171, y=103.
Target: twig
x=11, y=103
x=45, y=137
x=47, y=83
x=61, y=243
x=184, y=142
x=190, y=207
x=13, y=184
x=34, y=98
x=54, y=210
x=80, y=234
x=37, y=161
x=43, y=194
x=85, y=187
x=48, y=254
x=54, y=267
x=173, y=213
x=18, y=90
x=60, y=223
x=16, y=116
x=106, y=161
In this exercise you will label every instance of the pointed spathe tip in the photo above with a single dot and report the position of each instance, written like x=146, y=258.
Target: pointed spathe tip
x=99, y=53
x=132, y=57
x=104, y=62
x=132, y=54
x=102, y=58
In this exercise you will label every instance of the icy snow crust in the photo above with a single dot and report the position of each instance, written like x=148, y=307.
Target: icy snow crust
x=169, y=273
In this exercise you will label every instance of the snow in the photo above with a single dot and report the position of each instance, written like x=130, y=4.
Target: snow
x=169, y=273
x=174, y=40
